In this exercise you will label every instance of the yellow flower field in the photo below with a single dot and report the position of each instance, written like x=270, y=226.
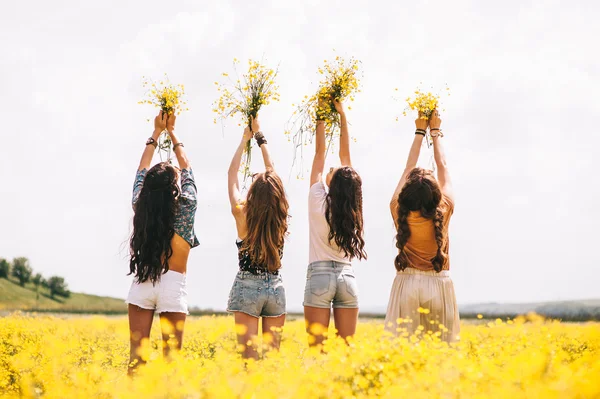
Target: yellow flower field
x=85, y=357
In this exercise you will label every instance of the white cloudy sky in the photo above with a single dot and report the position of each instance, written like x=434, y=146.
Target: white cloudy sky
x=521, y=132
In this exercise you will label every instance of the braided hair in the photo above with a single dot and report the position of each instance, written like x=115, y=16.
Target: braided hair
x=422, y=193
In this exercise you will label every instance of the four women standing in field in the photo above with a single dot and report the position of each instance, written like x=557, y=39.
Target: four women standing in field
x=422, y=296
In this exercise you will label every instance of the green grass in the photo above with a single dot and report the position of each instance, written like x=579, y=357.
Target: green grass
x=15, y=297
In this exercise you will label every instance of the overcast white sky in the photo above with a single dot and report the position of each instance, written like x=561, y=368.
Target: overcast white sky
x=521, y=133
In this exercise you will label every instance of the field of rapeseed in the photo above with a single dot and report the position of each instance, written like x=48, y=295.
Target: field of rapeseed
x=86, y=357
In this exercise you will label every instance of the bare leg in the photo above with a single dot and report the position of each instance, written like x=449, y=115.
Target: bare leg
x=317, y=323
x=247, y=330
x=345, y=321
x=140, y=323
x=271, y=333
x=171, y=325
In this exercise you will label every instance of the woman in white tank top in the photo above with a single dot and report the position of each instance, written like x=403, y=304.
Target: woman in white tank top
x=336, y=237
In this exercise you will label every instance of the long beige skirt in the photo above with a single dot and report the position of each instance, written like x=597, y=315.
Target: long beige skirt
x=423, y=298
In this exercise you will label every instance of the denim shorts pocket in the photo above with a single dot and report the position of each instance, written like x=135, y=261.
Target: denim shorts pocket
x=249, y=292
x=351, y=285
x=319, y=283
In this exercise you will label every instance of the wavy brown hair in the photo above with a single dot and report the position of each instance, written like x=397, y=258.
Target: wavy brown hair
x=154, y=224
x=344, y=212
x=422, y=193
x=267, y=220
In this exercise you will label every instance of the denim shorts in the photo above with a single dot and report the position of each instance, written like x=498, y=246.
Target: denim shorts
x=329, y=282
x=261, y=295
x=167, y=295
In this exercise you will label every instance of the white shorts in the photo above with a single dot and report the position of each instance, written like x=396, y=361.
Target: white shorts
x=167, y=295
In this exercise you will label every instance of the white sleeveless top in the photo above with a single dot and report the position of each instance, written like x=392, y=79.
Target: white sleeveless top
x=319, y=246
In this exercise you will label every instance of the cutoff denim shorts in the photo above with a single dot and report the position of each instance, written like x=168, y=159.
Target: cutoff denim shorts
x=261, y=295
x=167, y=295
x=330, y=283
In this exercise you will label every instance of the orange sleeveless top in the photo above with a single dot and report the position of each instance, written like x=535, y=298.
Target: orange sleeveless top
x=421, y=246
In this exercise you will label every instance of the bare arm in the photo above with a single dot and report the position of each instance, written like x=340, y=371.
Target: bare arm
x=233, y=183
x=344, y=136
x=262, y=143
x=411, y=163
x=182, y=159
x=159, y=125
x=264, y=149
x=319, y=160
x=439, y=155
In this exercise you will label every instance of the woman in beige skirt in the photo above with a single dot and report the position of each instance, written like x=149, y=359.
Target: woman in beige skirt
x=422, y=296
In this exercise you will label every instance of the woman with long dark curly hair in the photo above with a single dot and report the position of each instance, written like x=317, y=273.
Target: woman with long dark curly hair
x=261, y=222
x=336, y=238
x=163, y=234
x=423, y=293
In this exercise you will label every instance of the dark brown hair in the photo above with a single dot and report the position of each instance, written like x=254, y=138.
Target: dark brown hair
x=422, y=193
x=344, y=212
x=266, y=218
x=154, y=224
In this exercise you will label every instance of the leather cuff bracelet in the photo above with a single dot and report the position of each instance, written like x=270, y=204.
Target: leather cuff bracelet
x=260, y=138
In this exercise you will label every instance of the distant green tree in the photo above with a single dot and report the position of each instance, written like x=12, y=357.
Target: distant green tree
x=58, y=286
x=37, y=281
x=21, y=270
x=4, y=268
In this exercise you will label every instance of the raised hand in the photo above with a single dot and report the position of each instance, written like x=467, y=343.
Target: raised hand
x=434, y=120
x=171, y=122
x=255, y=124
x=160, y=121
x=339, y=106
x=247, y=134
x=420, y=122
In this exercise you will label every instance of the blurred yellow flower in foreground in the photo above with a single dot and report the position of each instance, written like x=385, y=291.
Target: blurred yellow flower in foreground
x=86, y=357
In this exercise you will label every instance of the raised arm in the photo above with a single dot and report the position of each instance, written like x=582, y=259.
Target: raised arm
x=440, y=156
x=411, y=163
x=319, y=160
x=344, y=135
x=177, y=144
x=262, y=143
x=160, y=123
x=233, y=182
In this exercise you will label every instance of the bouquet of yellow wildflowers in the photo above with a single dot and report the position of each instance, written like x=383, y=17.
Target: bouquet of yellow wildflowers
x=169, y=98
x=425, y=103
x=340, y=82
x=245, y=97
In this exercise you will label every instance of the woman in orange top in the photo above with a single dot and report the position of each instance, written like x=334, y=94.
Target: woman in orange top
x=422, y=292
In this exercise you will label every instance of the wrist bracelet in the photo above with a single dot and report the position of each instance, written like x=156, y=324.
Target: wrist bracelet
x=421, y=132
x=177, y=145
x=434, y=128
x=260, y=138
x=151, y=141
